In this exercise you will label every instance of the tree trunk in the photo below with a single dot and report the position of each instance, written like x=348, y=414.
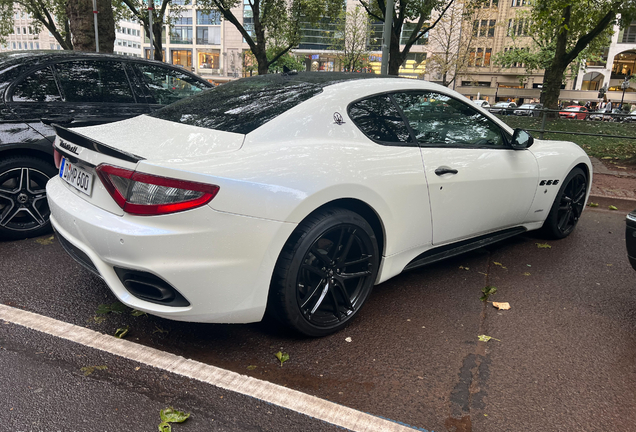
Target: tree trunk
x=261, y=60
x=552, y=80
x=396, y=58
x=156, y=40
x=82, y=25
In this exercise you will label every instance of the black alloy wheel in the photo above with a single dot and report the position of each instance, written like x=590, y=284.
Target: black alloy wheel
x=24, y=210
x=325, y=273
x=568, y=206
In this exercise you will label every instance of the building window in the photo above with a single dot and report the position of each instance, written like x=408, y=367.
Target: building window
x=212, y=18
x=209, y=35
x=181, y=35
x=182, y=57
x=407, y=29
x=184, y=19
x=487, y=55
x=518, y=3
x=471, y=57
x=248, y=19
x=208, y=59
x=629, y=34
x=491, y=28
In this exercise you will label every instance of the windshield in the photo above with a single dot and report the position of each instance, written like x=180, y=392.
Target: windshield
x=572, y=108
x=243, y=105
x=527, y=106
x=502, y=104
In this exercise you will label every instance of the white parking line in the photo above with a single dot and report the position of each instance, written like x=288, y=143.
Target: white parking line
x=281, y=396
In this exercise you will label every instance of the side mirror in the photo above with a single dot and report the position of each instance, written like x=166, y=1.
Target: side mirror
x=521, y=139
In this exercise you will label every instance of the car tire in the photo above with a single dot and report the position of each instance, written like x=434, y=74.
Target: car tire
x=24, y=210
x=567, y=207
x=325, y=272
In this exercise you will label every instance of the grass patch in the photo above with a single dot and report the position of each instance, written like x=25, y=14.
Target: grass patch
x=623, y=149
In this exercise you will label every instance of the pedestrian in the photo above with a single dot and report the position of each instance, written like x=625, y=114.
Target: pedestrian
x=587, y=105
x=608, y=110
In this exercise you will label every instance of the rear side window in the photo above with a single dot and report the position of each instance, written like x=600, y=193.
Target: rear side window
x=379, y=119
x=39, y=86
x=94, y=81
x=167, y=86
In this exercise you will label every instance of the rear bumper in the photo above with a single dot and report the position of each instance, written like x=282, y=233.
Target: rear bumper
x=221, y=263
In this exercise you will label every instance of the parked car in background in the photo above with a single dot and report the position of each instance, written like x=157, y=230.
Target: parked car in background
x=596, y=115
x=577, y=112
x=39, y=88
x=631, y=118
x=482, y=103
x=222, y=210
x=529, y=109
x=503, y=108
x=617, y=115
x=630, y=238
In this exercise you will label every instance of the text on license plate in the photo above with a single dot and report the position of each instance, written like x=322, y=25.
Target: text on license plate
x=77, y=177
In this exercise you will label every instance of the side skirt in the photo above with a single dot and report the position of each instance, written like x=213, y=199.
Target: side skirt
x=451, y=250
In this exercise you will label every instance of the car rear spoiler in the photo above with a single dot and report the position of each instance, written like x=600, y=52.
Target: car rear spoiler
x=77, y=139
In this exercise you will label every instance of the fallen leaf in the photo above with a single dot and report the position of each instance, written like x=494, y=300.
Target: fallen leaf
x=526, y=274
x=487, y=291
x=160, y=330
x=90, y=369
x=99, y=319
x=251, y=367
x=137, y=368
x=138, y=313
x=501, y=305
x=121, y=332
x=484, y=338
x=613, y=207
x=592, y=204
x=282, y=357
x=171, y=415
x=116, y=307
x=500, y=265
x=45, y=241
x=464, y=268
x=543, y=246
x=348, y=339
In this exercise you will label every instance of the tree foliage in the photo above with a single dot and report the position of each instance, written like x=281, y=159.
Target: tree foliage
x=416, y=12
x=274, y=25
x=565, y=32
x=353, y=31
x=451, y=47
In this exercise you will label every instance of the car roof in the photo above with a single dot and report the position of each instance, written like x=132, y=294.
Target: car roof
x=13, y=63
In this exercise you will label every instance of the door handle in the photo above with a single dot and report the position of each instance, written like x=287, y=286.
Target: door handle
x=445, y=170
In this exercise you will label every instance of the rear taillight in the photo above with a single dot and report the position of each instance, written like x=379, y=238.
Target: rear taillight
x=145, y=194
x=57, y=158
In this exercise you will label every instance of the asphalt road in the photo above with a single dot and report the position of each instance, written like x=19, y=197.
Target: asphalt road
x=563, y=358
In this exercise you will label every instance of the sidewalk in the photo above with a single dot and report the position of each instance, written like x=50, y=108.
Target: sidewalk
x=616, y=187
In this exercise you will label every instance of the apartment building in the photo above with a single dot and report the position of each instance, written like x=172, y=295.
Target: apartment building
x=24, y=36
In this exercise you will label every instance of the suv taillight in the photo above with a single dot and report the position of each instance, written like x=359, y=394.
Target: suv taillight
x=145, y=194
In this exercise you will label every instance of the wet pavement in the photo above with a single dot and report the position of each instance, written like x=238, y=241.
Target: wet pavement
x=562, y=358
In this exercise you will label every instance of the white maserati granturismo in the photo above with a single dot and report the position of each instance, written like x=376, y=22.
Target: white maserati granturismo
x=295, y=194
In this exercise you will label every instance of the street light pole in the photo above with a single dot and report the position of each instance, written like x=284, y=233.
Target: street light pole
x=151, y=7
x=624, y=86
x=95, y=19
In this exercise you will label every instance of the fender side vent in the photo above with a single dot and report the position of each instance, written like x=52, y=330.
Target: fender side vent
x=151, y=288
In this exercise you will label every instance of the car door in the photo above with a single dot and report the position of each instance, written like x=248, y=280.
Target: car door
x=97, y=91
x=477, y=183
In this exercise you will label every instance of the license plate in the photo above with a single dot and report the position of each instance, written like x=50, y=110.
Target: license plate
x=77, y=177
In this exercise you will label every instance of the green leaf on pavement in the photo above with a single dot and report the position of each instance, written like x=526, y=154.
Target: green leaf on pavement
x=138, y=313
x=121, y=332
x=592, y=204
x=116, y=307
x=544, y=246
x=484, y=338
x=90, y=369
x=613, y=207
x=171, y=415
x=251, y=367
x=165, y=427
x=282, y=357
x=487, y=291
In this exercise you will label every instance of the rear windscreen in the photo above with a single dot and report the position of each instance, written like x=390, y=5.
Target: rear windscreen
x=243, y=105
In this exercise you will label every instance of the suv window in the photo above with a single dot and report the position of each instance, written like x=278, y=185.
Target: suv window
x=379, y=119
x=40, y=86
x=94, y=81
x=168, y=85
x=439, y=119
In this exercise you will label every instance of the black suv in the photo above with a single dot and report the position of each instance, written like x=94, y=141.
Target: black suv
x=40, y=88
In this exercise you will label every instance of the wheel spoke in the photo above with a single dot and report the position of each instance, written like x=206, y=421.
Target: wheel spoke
x=345, y=296
x=347, y=248
x=348, y=276
x=9, y=214
x=306, y=300
x=320, y=255
x=323, y=294
x=24, y=179
x=314, y=270
x=336, y=305
x=364, y=259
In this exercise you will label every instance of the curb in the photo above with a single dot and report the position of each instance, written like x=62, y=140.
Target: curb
x=622, y=204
